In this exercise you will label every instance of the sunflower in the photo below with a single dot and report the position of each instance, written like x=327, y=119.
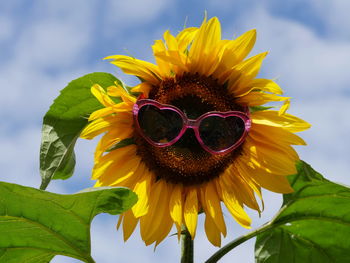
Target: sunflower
x=197, y=72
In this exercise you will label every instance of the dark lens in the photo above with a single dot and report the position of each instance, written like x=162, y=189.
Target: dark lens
x=221, y=133
x=161, y=126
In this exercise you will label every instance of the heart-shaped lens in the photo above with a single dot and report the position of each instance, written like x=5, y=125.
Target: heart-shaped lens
x=219, y=133
x=159, y=125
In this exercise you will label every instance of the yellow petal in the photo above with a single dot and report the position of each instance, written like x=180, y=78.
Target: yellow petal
x=105, y=124
x=120, y=108
x=248, y=182
x=176, y=205
x=257, y=98
x=284, y=107
x=101, y=95
x=213, y=61
x=173, y=53
x=272, y=160
x=120, y=220
x=273, y=144
x=235, y=51
x=129, y=224
x=244, y=73
x=198, y=43
x=272, y=182
x=206, y=39
x=113, y=159
x=97, y=127
x=191, y=211
x=166, y=225
x=101, y=113
x=232, y=204
x=271, y=133
x=266, y=85
x=123, y=173
x=165, y=68
x=130, y=181
x=185, y=37
x=142, y=189
x=173, y=57
x=213, y=206
x=109, y=159
x=145, y=70
x=242, y=191
x=111, y=138
x=242, y=46
x=143, y=88
x=119, y=91
x=163, y=232
x=213, y=234
x=151, y=224
x=170, y=41
x=287, y=121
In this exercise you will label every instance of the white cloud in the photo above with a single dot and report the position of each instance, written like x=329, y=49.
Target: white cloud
x=336, y=16
x=56, y=35
x=19, y=156
x=328, y=141
x=19, y=160
x=51, y=36
x=307, y=65
x=44, y=56
x=6, y=25
x=64, y=259
x=51, y=44
x=135, y=12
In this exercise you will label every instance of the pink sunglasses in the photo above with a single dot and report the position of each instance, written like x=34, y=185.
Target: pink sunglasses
x=163, y=125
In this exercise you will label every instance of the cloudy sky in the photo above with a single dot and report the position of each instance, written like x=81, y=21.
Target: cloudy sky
x=46, y=44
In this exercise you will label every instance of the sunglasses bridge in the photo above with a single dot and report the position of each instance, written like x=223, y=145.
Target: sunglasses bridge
x=191, y=123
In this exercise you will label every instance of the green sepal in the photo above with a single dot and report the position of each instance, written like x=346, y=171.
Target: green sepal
x=122, y=143
x=253, y=109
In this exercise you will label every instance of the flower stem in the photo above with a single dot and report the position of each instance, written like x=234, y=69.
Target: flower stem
x=225, y=249
x=186, y=246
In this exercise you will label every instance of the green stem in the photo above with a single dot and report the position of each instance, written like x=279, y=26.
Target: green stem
x=225, y=249
x=186, y=246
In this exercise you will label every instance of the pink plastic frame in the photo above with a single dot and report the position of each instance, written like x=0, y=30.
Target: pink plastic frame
x=190, y=123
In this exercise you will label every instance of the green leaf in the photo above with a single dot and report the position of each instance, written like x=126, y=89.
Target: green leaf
x=63, y=123
x=36, y=225
x=313, y=224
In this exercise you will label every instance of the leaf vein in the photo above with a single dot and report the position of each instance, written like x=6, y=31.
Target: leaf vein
x=50, y=231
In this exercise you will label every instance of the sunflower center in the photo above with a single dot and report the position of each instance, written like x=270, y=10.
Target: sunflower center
x=186, y=161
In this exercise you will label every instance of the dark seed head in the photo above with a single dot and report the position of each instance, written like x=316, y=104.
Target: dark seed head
x=186, y=161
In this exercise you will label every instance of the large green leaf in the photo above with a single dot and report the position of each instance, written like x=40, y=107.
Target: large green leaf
x=64, y=122
x=313, y=224
x=36, y=225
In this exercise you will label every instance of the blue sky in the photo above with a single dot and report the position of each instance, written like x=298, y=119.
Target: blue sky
x=46, y=44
